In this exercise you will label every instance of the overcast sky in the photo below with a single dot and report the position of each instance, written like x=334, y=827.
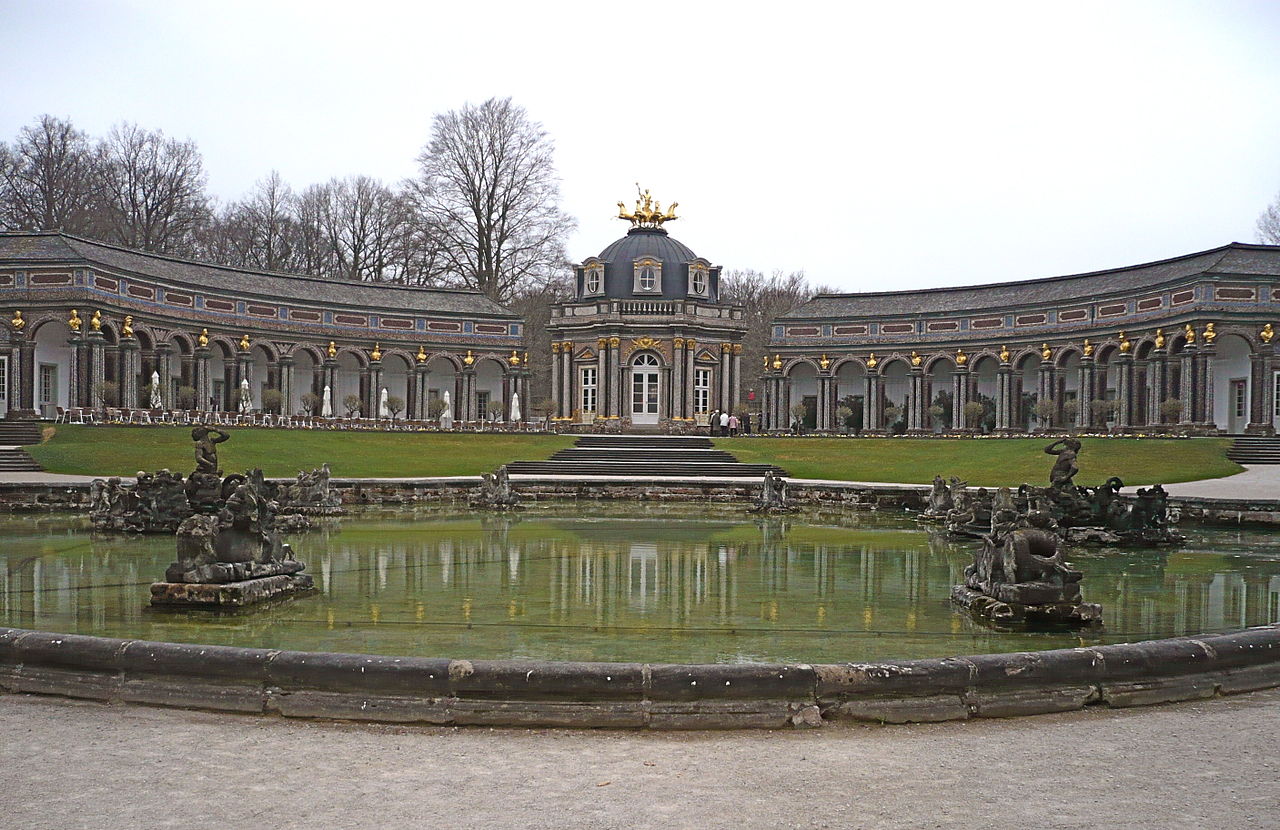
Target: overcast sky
x=873, y=145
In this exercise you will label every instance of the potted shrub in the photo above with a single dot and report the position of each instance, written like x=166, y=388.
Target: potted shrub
x=494, y=410
x=352, y=404
x=311, y=403
x=973, y=412
x=272, y=400
x=106, y=393
x=186, y=397
x=1045, y=411
x=395, y=404
x=1171, y=410
x=843, y=414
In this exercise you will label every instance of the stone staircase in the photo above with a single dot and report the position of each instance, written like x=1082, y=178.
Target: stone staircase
x=642, y=456
x=14, y=435
x=1251, y=449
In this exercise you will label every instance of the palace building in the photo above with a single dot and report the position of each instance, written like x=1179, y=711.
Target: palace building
x=82, y=316
x=1185, y=341
x=645, y=343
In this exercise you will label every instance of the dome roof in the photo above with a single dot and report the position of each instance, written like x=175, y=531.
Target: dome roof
x=652, y=242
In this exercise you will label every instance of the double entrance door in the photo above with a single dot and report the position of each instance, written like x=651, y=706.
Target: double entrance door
x=644, y=390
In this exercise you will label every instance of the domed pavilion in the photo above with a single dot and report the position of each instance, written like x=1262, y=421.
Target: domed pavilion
x=645, y=343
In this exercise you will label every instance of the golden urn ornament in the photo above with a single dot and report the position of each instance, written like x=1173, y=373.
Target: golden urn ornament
x=74, y=321
x=17, y=322
x=1209, y=334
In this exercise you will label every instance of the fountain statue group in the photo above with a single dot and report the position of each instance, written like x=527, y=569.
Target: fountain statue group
x=774, y=497
x=159, y=502
x=495, y=491
x=1081, y=515
x=1019, y=575
x=227, y=528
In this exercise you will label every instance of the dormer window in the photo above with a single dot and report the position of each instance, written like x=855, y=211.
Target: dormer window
x=698, y=282
x=593, y=280
x=648, y=276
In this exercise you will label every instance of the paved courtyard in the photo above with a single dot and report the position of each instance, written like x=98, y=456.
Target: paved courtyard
x=1208, y=764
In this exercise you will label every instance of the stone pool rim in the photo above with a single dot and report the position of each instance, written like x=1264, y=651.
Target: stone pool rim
x=541, y=693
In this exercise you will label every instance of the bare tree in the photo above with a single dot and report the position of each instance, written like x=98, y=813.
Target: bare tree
x=1269, y=224
x=153, y=189
x=763, y=299
x=488, y=189
x=47, y=178
x=350, y=228
x=532, y=304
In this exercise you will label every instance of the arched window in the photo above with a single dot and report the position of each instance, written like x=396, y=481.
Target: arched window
x=594, y=281
x=648, y=279
x=645, y=360
x=648, y=276
x=698, y=282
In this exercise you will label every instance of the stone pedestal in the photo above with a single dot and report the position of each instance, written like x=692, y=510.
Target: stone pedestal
x=229, y=595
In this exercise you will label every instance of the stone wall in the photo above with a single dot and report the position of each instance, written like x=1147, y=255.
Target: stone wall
x=633, y=695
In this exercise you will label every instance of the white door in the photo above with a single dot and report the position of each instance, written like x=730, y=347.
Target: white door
x=644, y=390
x=1239, y=414
x=4, y=384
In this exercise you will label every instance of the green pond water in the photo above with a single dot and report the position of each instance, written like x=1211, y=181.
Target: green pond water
x=637, y=582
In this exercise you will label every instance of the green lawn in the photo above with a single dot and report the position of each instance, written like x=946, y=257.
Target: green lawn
x=988, y=462
x=123, y=451
x=104, y=451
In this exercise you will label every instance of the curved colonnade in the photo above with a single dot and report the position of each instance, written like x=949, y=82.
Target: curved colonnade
x=78, y=314
x=1184, y=342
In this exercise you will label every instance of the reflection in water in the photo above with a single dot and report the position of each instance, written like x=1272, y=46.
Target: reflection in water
x=681, y=584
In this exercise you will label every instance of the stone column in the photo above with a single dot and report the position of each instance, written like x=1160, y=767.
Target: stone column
x=569, y=381
x=557, y=377
x=471, y=409
x=375, y=388
x=1087, y=383
x=164, y=366
x=1157, y=389
x=1124, y=390
x=617, y=390
x=1204, y=383
x=26, y=391
x=130, y=367
x=1004, y=398
x=285, y=368
x=98, y=364
x=1047, y=385
x=678, y=379
x=1187, y=384
x=690, y=358
x=199, y=376
x=329, y=378
x=1262, y=393
x=735, y=383
x=959, y=398
x=77, y=384
x=823, y=421
x=418, y=410
x=873, y=404
x=916, y=415
x=722, y=384
x=602, y=377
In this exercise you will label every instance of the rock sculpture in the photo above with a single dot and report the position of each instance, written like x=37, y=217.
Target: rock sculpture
x=234, y=558
x=495, y=491
x=1019, y=576
x=773, y=495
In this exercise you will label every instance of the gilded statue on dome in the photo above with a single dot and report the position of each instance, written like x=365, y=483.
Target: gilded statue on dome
x=648, y=213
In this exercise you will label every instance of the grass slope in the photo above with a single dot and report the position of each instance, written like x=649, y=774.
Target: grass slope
x=989, y=462
x=104, y=451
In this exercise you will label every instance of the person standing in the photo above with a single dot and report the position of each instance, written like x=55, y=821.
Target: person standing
x=724, y=422
x=714, y=422
x=733, y=426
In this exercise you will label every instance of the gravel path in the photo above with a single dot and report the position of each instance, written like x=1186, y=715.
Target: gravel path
x=77, y=764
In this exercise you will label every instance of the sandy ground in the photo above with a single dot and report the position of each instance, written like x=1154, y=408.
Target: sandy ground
x=70, y=764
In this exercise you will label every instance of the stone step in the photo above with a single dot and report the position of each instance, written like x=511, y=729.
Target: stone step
x=654, y=441
x=1255, y=449
x=20, y=433
x=16, y=460
x=601, y=468
x=644, y=456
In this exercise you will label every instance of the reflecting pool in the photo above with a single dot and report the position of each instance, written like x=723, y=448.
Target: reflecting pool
x=635, y=582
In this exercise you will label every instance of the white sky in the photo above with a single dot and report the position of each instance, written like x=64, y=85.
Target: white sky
x=874, y=145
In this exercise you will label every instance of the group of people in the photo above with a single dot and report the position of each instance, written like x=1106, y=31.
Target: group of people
x=727, y=425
